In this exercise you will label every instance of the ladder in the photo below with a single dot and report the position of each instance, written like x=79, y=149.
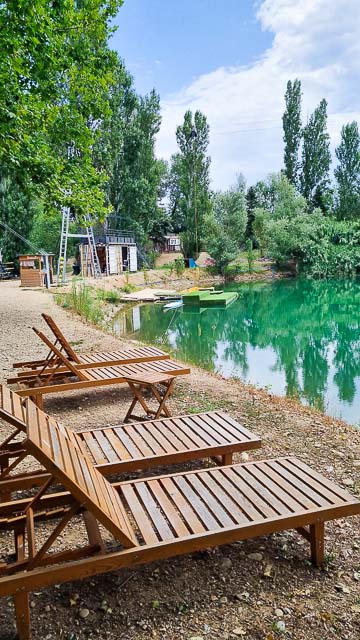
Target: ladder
x=92, y=257
x=61, y=266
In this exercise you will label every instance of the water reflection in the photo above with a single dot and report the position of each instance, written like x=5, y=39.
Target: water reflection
x=299, y=338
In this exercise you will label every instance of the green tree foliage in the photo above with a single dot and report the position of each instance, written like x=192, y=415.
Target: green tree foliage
x=292, y=130
x=226, y=225
x=17, y=209
x=347, y=173
x=55, y=70
x=126, y=150
x=279, y=197
x=260, y=226
x=316, y=159
x=189, y=180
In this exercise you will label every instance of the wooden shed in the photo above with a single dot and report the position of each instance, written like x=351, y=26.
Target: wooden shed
x=33, y=270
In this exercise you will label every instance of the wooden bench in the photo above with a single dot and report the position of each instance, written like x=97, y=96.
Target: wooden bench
x=154, y=518
x=89, y=360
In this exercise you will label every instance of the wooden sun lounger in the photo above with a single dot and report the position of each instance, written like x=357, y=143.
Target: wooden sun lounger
x=124, y=448
x=85, y=361
x=70, y=377
x=154, y=518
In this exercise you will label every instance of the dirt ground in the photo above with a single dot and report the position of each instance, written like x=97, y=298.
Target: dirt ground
x=259, y=589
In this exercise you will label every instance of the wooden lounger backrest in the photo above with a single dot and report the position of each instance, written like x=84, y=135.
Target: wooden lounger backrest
x=12, y=408
x=81, y=374
x=23, y=412
x=61, y=338
x=66, y=462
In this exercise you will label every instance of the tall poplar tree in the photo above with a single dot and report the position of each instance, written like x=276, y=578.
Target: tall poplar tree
x=347, y=173
x=251, y=204
x=292, y=130
x=189, y=182
x=316, y=159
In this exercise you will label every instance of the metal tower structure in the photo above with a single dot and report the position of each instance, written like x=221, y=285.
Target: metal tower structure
x=93, y=259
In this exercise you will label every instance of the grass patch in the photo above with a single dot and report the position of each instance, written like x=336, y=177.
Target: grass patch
x=83, y=301
x=113, y=296
x=129, y=288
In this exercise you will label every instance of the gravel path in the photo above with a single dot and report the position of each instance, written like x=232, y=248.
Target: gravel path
x=252, y=589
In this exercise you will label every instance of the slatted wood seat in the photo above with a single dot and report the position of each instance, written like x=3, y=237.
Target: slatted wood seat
x=85, y=361
x=129, y=447
x=164, y=516
x=70, y=377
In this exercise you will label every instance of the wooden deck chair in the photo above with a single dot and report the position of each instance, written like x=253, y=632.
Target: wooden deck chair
x=153, y=518
x=67, y=376
x=85, y=361
x=124, y=448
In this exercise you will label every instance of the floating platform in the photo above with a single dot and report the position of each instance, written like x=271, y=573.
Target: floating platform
x=209, y=298
x=150, y=295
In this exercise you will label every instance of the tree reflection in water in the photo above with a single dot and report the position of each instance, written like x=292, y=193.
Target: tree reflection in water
x=298, y=337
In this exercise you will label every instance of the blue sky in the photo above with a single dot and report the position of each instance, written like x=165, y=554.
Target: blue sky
x=167, y=44
x=232, y=59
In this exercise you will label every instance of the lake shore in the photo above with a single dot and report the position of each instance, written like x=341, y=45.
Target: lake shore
x=241, y=590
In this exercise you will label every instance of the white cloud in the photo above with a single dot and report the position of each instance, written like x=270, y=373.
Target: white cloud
x=317, y=41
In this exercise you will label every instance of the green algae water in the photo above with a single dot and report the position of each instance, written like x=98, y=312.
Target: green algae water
x=293, y=337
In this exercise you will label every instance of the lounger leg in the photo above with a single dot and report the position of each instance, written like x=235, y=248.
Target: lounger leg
x=317, y=543
x=22, y=613
x=227, y=458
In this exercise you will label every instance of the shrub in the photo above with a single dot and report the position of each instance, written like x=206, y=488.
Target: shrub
x=179, y=266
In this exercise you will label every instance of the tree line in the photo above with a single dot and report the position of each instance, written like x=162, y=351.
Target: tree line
x=75, y=132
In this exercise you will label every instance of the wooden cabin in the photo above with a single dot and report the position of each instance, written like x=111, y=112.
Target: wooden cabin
x=117, y=253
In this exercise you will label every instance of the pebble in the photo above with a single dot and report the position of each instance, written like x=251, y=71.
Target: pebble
x=255, y=556
x=279, y=613
x=83, y=613
x=279, y=626
x=226, y=563
x=239, y=631
x=348, y=482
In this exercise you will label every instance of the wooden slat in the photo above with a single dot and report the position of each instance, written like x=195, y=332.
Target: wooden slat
x=127, y=442
x=121, y=451
x=197, y=504
x=184, y=507
x=320, y=480
x=139, y=441
x=263, y=507
x=226, y=499
x=212, y=503
x=202, y=440
x=147, y=437
x=309, y=494
x=154, y=512
x=106, y=447
x=171, y=513
x=139, y=514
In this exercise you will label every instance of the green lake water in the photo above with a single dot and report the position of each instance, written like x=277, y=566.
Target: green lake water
x=293, y=337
